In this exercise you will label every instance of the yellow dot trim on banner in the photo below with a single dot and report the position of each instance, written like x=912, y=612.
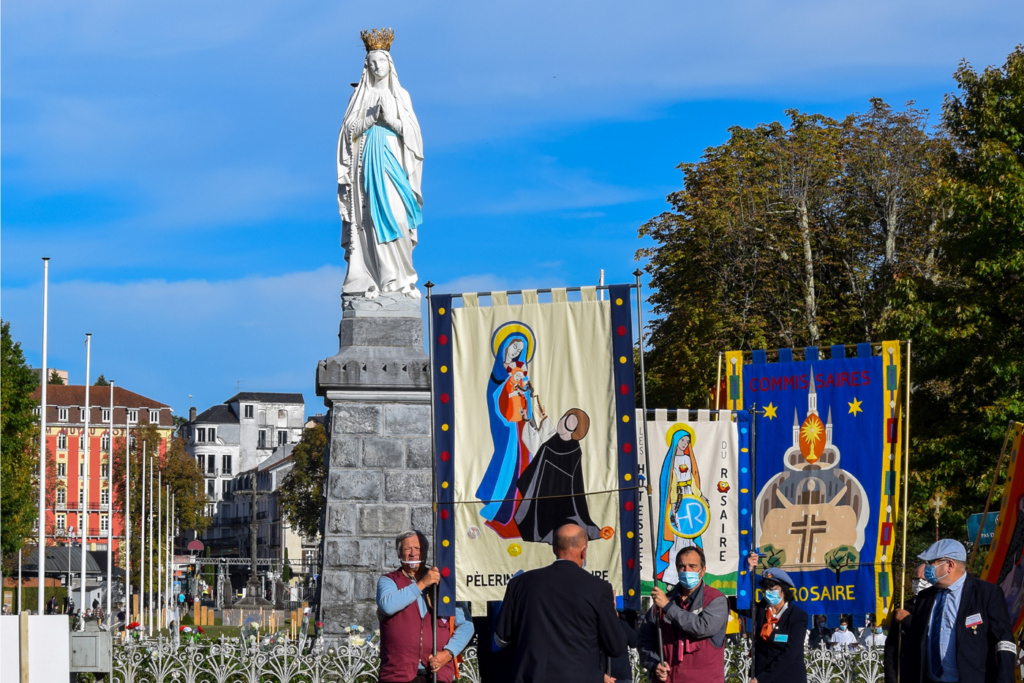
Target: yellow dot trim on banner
x=447, y=599
x=744, y=490
x=625, y=418
x=622, y=359
x=445, y=543
x=628, y=476
x=629, y=534
x=514, y=549
x=444, y=428
x=618, y=302
x=444, y=484
x=444, y=368
x=441, y=310
x=632, y=592
x=743, y=531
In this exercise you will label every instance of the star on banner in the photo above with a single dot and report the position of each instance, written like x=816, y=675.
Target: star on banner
x=855, y=407
x=770, y=411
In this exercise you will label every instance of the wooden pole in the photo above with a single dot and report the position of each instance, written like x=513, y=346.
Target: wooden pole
x=23, y=644
x=988, y=501
x=906, y=472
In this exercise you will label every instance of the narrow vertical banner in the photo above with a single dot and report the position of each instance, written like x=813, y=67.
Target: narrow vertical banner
x=746, y=505
x=1004, y=565
x=892, y=465
x=534, y=427
x=625, y=404
x=734, y=380
x=444, y=445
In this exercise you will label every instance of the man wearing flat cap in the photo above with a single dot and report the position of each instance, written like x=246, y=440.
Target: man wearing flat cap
x=779, y=630
x=961, y=628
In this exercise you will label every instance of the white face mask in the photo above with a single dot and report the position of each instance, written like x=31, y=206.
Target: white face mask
x=919, y=585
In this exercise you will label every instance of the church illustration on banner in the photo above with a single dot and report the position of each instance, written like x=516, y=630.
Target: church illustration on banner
x=813, y=514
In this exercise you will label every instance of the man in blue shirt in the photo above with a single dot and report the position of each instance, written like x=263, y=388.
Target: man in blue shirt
x=961, y=630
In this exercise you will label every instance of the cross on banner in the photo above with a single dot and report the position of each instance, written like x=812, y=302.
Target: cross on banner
x=806, y=530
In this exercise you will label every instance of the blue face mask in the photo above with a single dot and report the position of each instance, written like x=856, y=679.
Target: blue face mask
x=842, y=627
x=878, y=629
x=929, y=574
x=690, y=579
x=773, y=596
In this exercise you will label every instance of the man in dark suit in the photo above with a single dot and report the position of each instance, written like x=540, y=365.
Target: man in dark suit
x=961, y=628
x=821, y=634
x=560, y=619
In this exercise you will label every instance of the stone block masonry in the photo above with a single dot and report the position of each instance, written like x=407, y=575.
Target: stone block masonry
x=377, y=392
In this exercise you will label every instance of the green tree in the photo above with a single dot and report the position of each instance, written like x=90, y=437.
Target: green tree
x=301, y=493
x=18, y=448
x=966, y=324
x=101, y=381
x=55, y=378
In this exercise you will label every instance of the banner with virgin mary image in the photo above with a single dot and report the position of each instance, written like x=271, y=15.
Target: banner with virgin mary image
x=701, y=493
x=1004, y=565
x=827, y=470
x=533, y=428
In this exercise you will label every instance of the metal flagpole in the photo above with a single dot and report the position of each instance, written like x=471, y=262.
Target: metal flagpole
x=110, y=499
x=21, y=585
x=142, y=537
x=84, y=525
x=127, y=520
x=44, y=379
x=149, y=564
x=718, y=381
x=159, y=547
x=647, y=444
x=433, y=460
x=906, y=472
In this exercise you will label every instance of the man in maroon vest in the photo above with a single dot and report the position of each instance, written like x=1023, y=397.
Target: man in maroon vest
x=692, y=619
x=406, y=615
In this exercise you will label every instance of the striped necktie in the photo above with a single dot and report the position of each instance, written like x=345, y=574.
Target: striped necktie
x=934, y=641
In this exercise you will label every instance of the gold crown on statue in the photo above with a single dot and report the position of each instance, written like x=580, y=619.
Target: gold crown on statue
x=377, y=38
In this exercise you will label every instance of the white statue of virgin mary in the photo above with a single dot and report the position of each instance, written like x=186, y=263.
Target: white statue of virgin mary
x=380, y=168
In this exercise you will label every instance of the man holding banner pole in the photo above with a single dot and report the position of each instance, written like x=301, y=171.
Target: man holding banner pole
x=691, y=618
x=408, y=650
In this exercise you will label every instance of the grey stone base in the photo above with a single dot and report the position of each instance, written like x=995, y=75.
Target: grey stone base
x=377, y=392
x=266, y=616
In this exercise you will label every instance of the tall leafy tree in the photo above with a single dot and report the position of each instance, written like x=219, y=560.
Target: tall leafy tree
x=301, y=493
x=18, y=448
x=969, y=359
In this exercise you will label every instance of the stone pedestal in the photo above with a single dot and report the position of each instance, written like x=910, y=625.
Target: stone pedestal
x=377, y=393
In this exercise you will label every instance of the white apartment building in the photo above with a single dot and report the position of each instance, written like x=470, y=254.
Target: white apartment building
x=238, y=436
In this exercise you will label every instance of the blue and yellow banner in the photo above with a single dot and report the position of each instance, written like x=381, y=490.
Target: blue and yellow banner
x=827, y=470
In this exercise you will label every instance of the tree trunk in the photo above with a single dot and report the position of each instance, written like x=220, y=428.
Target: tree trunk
x=810, y=300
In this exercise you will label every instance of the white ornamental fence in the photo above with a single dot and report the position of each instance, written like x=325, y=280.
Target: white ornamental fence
x=276, y=659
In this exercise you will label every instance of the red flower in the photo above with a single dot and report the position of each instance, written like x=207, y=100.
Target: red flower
x=319, y=624
x=200, y=629
x=132, y=625
x=181, y=628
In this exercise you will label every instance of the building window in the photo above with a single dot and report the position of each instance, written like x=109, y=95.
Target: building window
x=225, y=464
x=133, y=415
x=37, y=411
x=62, y=441
x=211, y=490
x=225, y=489
x=81, y=497
x=154, y=416
x=62, y=522
x=104, y=497
x=211, y=464
x=104, y=470
x=282, y=437
x=62, y=469
x=81, y=444
x=81, y=415
x=104, y=524
x=105, y=414
x=211, y=434
x=201, y=461
x=131, y=441
x=105, y=441
x=262, y=442
x=81, y=468
x=249, y=412
x=62, y=414
x=201, y=434
x=62, y=497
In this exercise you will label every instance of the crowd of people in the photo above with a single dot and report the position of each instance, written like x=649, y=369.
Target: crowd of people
x=559, y=623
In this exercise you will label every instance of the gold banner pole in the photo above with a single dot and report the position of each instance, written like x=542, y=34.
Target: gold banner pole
x=906, y=476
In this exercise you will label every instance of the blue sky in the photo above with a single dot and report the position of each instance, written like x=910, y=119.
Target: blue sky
x=175, y=160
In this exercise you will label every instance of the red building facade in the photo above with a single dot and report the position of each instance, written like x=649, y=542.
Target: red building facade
x=69, y=506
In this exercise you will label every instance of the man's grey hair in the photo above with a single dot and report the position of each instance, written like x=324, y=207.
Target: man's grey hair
x=424, y=543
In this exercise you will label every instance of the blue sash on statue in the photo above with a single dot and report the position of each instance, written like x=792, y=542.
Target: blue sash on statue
x=380, y=165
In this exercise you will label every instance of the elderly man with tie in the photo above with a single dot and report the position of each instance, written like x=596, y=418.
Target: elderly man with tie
x=961, y=629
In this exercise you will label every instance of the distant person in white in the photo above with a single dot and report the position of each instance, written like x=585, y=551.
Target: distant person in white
x=872, y=635
x=842, y=638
